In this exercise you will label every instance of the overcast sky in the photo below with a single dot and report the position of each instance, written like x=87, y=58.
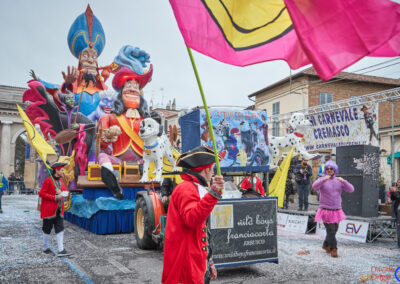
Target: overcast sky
x=34, y=36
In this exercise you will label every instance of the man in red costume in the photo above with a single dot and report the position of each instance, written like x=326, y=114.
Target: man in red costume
x=254, y=184
x=52, y=208
x=121, y=127
x=186, y=245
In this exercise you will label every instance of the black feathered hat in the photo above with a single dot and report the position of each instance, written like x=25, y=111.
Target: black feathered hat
x=57, y=165
x=197, y=159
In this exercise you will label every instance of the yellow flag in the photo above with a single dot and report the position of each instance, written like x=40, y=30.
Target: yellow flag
x=278, y=183
x=37, y=140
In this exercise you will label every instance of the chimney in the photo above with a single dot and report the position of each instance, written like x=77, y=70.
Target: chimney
x=168, y=105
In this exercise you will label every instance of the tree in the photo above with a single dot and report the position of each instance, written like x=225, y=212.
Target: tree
x=20, y=148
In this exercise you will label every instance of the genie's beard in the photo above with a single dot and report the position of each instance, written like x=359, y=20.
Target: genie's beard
x=87, y=77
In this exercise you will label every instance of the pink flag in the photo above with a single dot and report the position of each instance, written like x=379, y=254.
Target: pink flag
x=226, y=35
x=335, y=34
x=330, y=34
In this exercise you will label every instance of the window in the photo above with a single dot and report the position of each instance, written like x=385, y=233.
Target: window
x=275, y=108
x=325, y=98
x=275, y=128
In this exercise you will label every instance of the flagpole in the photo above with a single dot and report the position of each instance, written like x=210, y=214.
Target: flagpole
x=51, y=177
x=206, y=110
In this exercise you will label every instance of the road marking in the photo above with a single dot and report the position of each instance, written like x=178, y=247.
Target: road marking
x=89, y=244
x=119, y=249
x=119, y=266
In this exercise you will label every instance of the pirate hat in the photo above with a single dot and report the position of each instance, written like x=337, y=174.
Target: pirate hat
x=125, y=74
x=57, y=165
x=197, y=159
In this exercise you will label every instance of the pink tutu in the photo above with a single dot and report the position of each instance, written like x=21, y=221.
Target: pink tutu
x=329, y=216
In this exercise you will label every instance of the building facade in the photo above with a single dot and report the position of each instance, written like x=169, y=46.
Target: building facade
x=304, y=90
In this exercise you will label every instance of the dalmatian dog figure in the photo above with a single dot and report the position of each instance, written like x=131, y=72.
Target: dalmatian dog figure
x=156, y=147
x=281, y=145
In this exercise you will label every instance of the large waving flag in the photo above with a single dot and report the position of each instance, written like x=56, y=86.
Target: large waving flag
x=37, y=140
x=330, y=34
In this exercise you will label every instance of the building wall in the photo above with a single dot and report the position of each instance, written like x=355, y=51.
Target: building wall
x=343, y=90
x=291, y=99
x=309, y=90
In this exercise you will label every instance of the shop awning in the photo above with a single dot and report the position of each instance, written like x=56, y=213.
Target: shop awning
x=389, y=158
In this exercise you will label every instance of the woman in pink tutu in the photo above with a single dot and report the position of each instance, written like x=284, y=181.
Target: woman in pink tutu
x=330, y=204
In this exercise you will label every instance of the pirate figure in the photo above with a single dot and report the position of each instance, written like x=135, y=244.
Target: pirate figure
x=187, y=254
x=52, y=196
x=369, y=122
x=121, y=127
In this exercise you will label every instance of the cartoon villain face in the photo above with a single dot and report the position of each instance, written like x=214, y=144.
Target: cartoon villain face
x=131, y=94
x=88, y=60
x=70, y=100
x=106, y=104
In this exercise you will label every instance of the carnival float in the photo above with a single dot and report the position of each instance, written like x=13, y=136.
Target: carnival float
x=97, y=130
x=118, y=152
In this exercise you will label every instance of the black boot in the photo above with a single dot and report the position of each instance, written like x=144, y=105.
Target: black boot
x=110, y=180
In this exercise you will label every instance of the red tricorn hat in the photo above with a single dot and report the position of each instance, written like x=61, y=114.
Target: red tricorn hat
x=125, y=74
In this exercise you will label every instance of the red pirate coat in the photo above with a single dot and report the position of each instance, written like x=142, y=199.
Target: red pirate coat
x=129, y=137
x=185, y=249
x=259, y=187
x=48, y=207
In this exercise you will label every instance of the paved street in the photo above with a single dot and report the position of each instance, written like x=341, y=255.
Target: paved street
x=116, y=258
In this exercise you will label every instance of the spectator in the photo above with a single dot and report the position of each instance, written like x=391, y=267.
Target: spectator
x=11, y=180
x=382, y=186
x=321, y=168
x=395, y=198
x=3, y=187
x=167, y=187
x=22, y=187
x=256, y=184
x=330, y=206
x=393, y=188
x=289, y=190
x=303, y=173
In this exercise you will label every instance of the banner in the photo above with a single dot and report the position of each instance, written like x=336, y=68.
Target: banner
x=292, y=223
x=244, y=231
x=241, y=136
x=348, y=230
x=356, y=125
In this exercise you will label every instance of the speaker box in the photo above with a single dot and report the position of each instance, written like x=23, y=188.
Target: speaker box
x=359, y=165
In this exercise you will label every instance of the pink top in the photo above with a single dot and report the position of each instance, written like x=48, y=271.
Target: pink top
x=331, y=191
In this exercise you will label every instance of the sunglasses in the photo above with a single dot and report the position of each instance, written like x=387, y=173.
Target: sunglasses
x=329, y=169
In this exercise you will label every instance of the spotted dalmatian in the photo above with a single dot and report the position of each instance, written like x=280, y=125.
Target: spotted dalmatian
x=156, y=147
x=280, y=145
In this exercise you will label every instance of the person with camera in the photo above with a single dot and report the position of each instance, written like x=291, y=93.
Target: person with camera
x=302, y=174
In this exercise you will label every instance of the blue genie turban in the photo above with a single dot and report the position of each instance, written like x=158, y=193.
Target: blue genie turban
x=86, y=31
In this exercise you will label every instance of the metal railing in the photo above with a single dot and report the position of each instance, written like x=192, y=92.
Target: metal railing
x=18, y=187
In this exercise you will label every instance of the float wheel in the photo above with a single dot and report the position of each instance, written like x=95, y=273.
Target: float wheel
x=143, y=225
